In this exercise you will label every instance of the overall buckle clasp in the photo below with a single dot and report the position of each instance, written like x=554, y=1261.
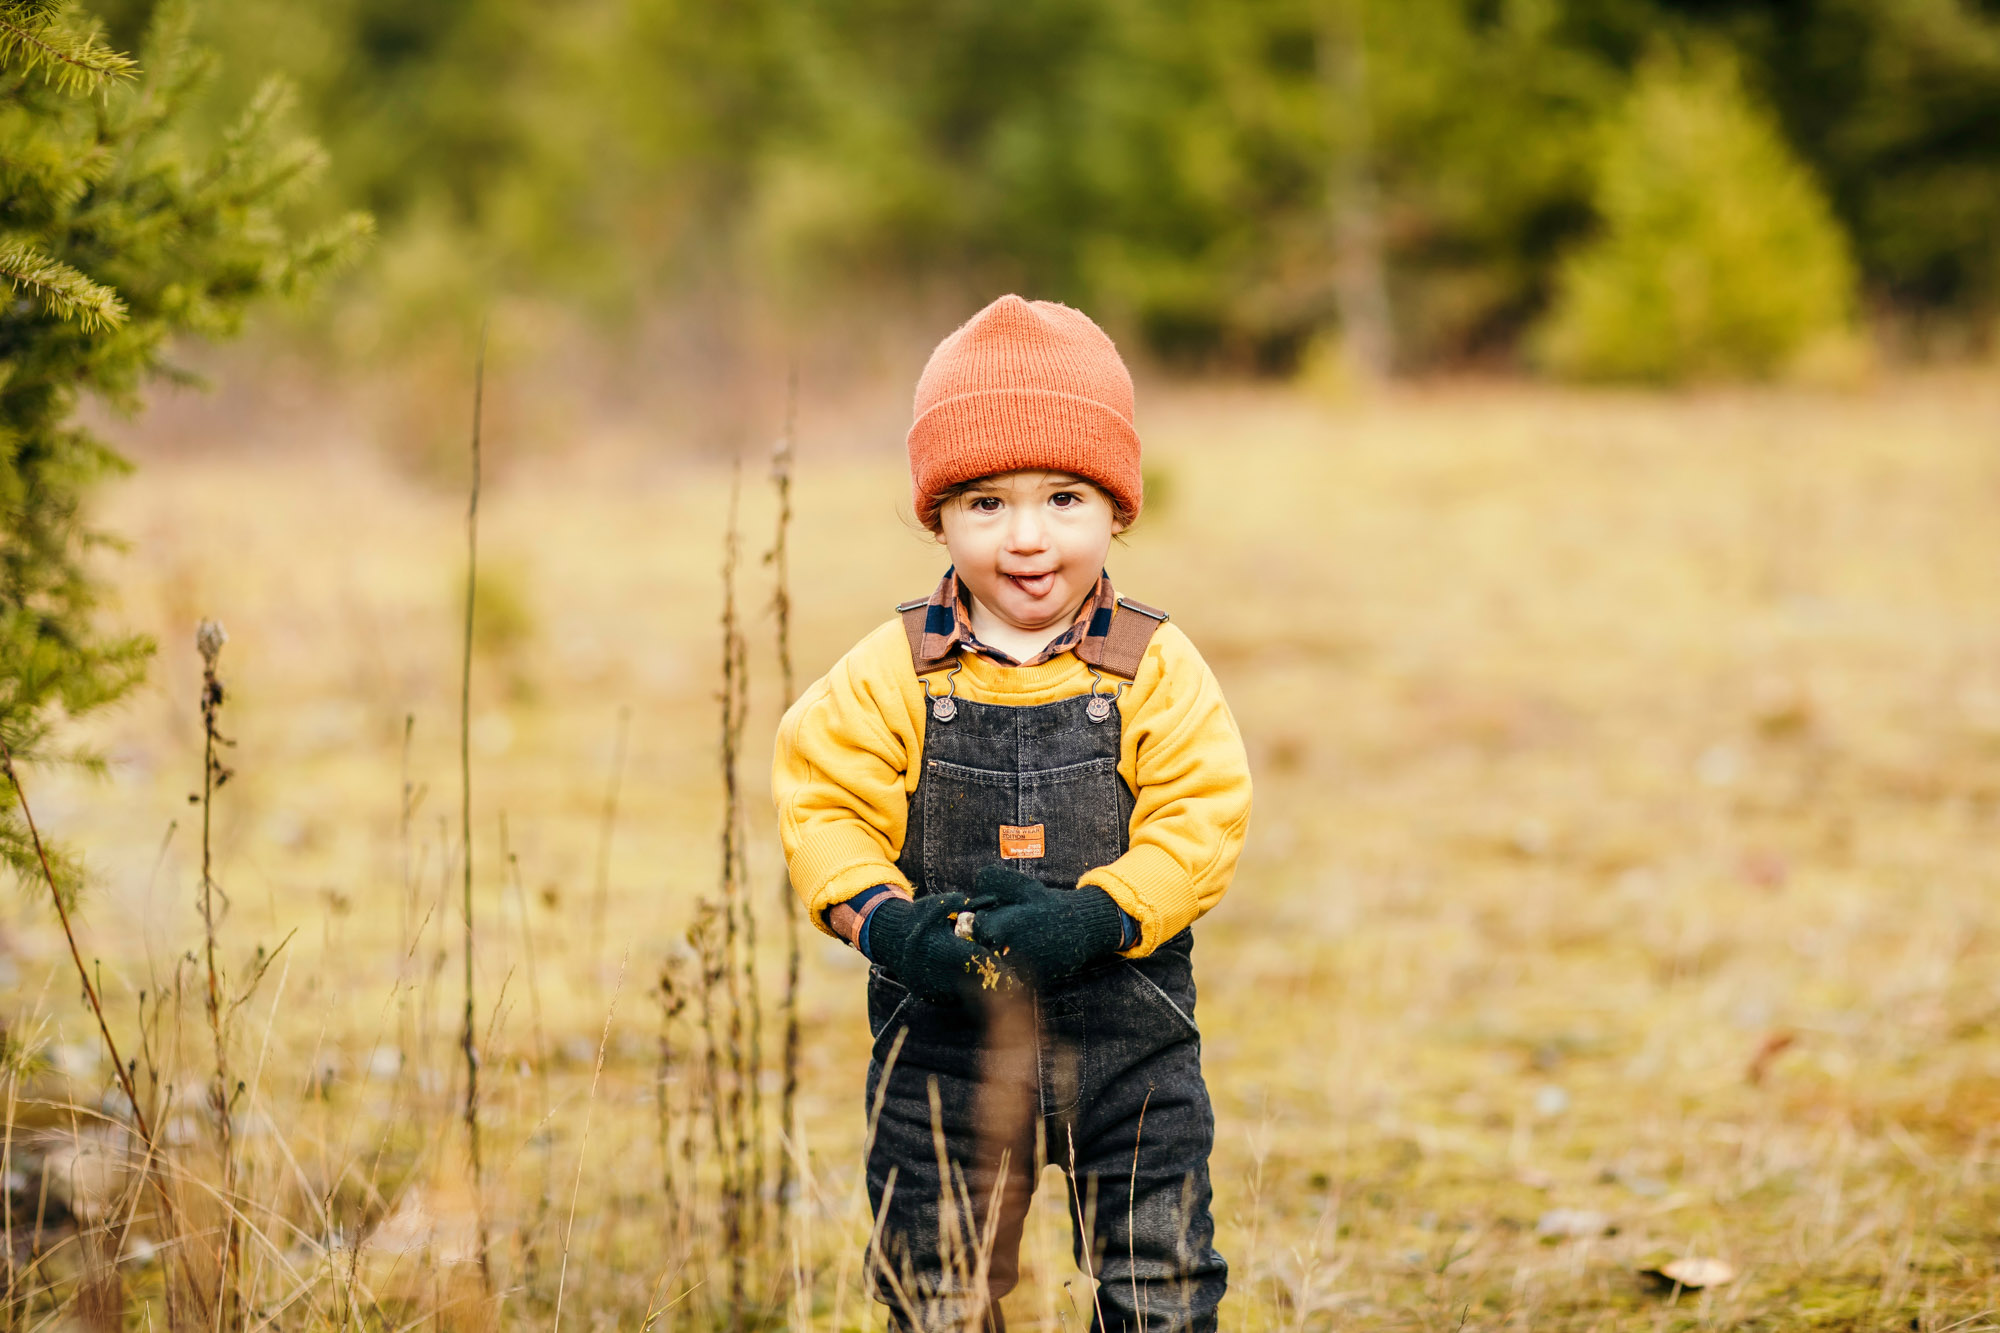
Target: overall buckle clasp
x=944, y=707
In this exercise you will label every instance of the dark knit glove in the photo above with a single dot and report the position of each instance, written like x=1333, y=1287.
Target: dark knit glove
x=1043, y=934
x=914, y=941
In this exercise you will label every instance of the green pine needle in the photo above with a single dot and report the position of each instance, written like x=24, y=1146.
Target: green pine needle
x=64, y=292
x=34, y=39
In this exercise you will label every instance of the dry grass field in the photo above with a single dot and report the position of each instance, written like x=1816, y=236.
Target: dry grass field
x=1622, y=887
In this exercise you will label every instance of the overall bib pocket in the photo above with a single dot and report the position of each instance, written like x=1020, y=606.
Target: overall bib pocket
x=1074, y=815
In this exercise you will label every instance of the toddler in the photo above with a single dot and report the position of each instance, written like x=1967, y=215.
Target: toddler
x=1015, y=798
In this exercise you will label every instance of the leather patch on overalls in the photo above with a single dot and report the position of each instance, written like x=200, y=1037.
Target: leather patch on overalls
x=1021, y=842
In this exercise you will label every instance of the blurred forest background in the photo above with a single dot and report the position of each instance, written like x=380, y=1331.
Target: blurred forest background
x=1653, y=189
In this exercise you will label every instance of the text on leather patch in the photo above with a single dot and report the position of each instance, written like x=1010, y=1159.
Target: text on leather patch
x=1020, y=842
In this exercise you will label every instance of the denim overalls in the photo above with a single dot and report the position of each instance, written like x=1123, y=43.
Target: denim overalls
x=1100, y=1074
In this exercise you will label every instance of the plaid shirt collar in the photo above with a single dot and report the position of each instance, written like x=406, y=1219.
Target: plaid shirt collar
x=948, y=624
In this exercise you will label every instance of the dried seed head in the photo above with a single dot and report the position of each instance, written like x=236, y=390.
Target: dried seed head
x=209, y=636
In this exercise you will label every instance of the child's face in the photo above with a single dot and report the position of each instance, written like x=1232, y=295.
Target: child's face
x=1029, y=545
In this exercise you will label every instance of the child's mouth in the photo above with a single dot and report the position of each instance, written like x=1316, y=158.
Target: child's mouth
x=1035, y=585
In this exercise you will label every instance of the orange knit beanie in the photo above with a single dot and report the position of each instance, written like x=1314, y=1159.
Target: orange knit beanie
x=1024, y=384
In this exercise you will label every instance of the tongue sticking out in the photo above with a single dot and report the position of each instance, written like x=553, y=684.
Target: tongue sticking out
x=1037, y=585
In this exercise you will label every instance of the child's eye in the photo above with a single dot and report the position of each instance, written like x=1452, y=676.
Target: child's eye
x=985, y=504
x=1065, y=499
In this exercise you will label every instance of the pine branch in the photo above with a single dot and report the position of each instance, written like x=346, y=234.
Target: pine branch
x=33, y=40
x=325, y=251
x=38, y=172
x=257, y=162
x=64, y=292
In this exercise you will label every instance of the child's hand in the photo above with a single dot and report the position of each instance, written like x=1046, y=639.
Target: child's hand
x=914, y=940
x=1043, y=934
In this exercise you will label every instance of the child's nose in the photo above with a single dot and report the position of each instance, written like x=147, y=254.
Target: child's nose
x=1025, y=531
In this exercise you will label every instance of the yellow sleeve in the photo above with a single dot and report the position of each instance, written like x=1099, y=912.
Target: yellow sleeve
x=1192, y=778
x=840, y=775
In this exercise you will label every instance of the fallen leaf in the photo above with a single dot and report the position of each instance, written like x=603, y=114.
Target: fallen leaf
x=1772, y=1047
x=1694, y=1273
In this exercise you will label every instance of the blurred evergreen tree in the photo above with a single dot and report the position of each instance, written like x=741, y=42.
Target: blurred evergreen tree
x=118, y=235
x=1719, y=256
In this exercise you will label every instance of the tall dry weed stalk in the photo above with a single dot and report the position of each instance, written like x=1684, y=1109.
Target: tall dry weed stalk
x=732, y=950
x=750, y=1126
x=778, y=558
x=151, y=1164
x=124, y=1071
x=208, y=639
x=468, y=1036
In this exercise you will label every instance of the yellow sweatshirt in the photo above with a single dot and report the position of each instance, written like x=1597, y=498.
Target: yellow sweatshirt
x=850, y=751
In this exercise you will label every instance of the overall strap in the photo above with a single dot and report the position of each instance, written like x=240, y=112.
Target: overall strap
x=1123, y=648
x=914, y=614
